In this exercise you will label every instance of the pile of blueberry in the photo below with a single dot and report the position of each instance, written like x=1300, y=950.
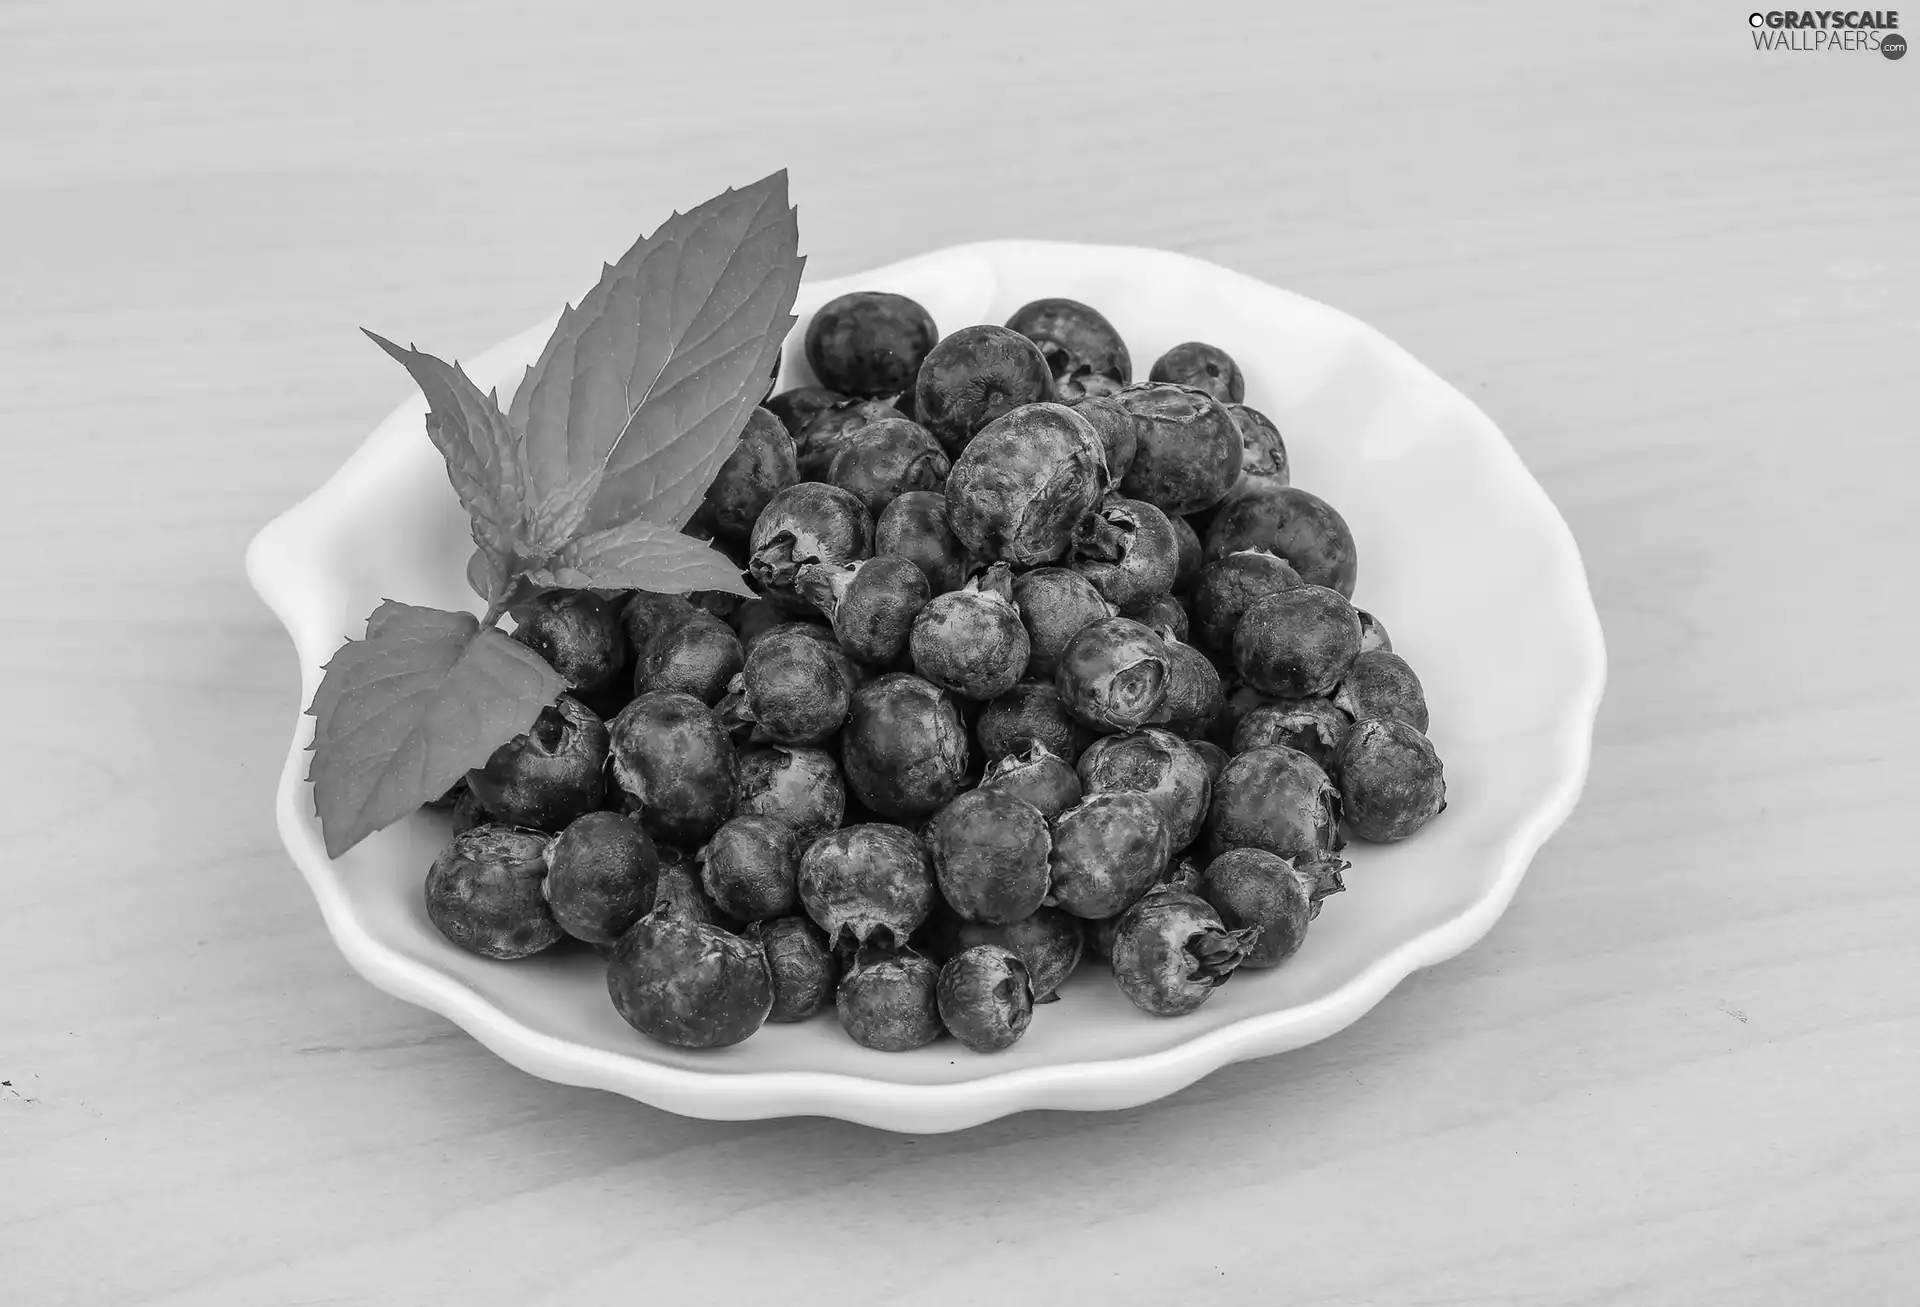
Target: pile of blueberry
x=1045, y=662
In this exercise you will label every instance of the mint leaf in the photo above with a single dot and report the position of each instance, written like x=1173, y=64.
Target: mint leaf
x=481, y=449
x=639, y=556
x=403, y=714
x=642, y=391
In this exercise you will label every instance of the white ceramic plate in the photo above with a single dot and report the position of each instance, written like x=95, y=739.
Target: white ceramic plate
x=1461, y=555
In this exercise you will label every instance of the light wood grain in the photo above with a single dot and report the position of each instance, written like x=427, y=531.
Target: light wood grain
x=1680, y=274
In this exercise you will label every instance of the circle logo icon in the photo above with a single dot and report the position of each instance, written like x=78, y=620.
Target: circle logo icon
x=1756, y=20
x=1893, y=46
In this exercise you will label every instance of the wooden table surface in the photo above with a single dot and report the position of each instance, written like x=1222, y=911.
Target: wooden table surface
x=1681, y=274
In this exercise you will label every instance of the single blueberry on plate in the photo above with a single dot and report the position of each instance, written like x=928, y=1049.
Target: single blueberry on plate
x=869, y=342
x=904, y=747
x=749, y=868
x=1298, y=643
x=602, y=876
x=1204, y=367
x=671, y=755
x=801, y=965
x=550, y=775
x=1275, y=799
x=1113, y=675
x=577, y=632
x=1391, y=780
x=687, y=984
x=807, y=523
x=1171, y=951
x=973, y=377
x=985, y=997
x=484, y=892
x=1252, y=888
x=867, y=884
x=1187, y=450
x=889, y=1001
x=1018, y=490
x=971, y=640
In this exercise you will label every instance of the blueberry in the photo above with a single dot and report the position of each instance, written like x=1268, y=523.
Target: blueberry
x=869, y=342
x=762, y=464
x=1313, y=726
x=797, y=407
x=989, y=851
x=973, y=377
x=603, y=874
x=550, y=775
x=1300, y=527
x=807, y=523
x=484, y=892
x=1203, y=367
x=687, y=984
x=1192, y=556
x=1213, y=756
x=748, y=868
x=1107, y=850
x=469, y=812
x=1055, y=603
x=800, y=964
x=1036, y=775
x=1165, y=614
x=1171, y=951
x=1160, y=766
x=1263, y=454
x=1117, y=428
x=1113, y=675
x=1373, y=633
x=1187, y=455
x=1251, y=888
x=794, y=689
x=1030, y=712
x=1298, y=643
x=671, y=754
x=872, y=604
x=883, y=460
x=971, y=640
x=1018, y=490
x=1381, y=684
x=867, y=884
x=699, y=655
x=914, y=527
x=889, y=1001
x=577, y=632
x=1182, y=873
x=1127, y=549
x=985, y=997
x=904, y=747
x=1391, y=780
x=801, y=787
x=1229, y=586
x=822, y=439
x=1077, y=342
x=1275, y=799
